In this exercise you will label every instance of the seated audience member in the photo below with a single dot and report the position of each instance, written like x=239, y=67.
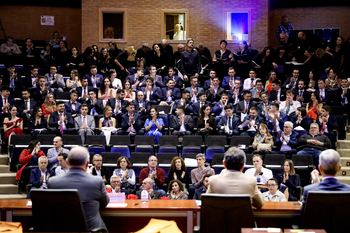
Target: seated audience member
x=232, y=181
x=129, y=94
x=142, y=106
x=155, y=174
x=72, y=106
x=115, y=185
x=324, y=94
x=206, y=123
x=12, y=124
x=228, y=124
x=83, y=91
x=208, y=83
x=291, y=82
x=273, y=194
x=205, y=181
x=219, y=107
x=106, y=91
x=172, y=76
x=277, y=94
x=118, y=105
x=289, y=106
x=63, y=168
x=107, y=124
x=182, y=124
x=328, y=124
x=10, y=50
x=184, y=101
x=263, y=141
x=41, y=90
x=11, y=78
x=179, y=171
x=29, y=157
x=276, y=119
x=116, y=82
x=242, y=108
x=74, y=80
x=343, y=93
x=99, y=170
x=54, y=79
x=314, y=107
x=313, y=143
x=170, y=93
x=236, y=93
x=251, y=122
x=286, y=140
x=176, y=190
x=95, y=105
x=6, y=101
x=195, y=107
x=300, y=119
x=262, y=174
x=268, y=84
x=61, y=122
x=126, y=174
x=259, y=87
x=94, y=79
x=229, y=81
x=148, y=184
x=288, y=179
x=194, y=89
x=151, y=92
x=85, y=124
x=249, y=83
x=52, y=153
x=154, y=124
x=197, y=174
x=30, y=81
x=300, y=92
x=49, y=106
x=329, y=166
x=136, y=79
x=37, y=123
x=214, y=92
x=264, y=105
x=131, y=122
x=25, y=106
x=40, y=175
x=157, y=79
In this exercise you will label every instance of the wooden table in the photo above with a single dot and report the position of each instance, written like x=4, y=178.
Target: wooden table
x=185, y=212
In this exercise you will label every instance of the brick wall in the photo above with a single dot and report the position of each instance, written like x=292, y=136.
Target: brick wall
x=206, y=20
x=21, y=22
x=310, y=18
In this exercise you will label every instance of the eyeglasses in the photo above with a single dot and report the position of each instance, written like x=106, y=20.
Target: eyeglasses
x=152, y=160
x=115, y=181
x=100, y=160
x=271, y=185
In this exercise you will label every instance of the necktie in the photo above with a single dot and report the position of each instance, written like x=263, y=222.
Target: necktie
x=84, y=121
x=230, y=123
x=275, y=126
x=130, y=130
x=231, y=86
x=61, y=125
x=288, y=108
x=323, y=127
x=83, y=91
x=5, y=110
x=26, y=105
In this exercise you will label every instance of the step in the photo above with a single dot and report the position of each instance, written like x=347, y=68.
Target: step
x=4, y=169
x=13, y=196
x=347, y=136
x=345, y=161
x=348, y=129
x=344, y=152
x=344, y=144
x=343, y=179
x=8, y=189
x=8, y=178
x=4, y=160
x=344, y=171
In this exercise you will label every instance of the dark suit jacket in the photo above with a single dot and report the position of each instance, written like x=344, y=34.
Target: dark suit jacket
x=125, y=122
x=157, y=195
x=217, y=97
x=80, y=91
x=104, y=173
x=217, y=108
x=232, y=98
x=293, y=140
x=27, y=81
x=131, y=78
x=339, y=93
x=328, y=96
x=233, y=126
x=177, y=103
x=283, y=118
x=21, y=106
x=284, y=86
x=55, y=117
x=175, y=94
x=111, y=102
x=146, y=105
x=258, y=121
x=9, y=99
x=98, y=106
x=90, y=82
x=70, y=110
x=195, y=107
x=306, y=95
x=331, y=124
x=198, y=193
x=273, y=95
x=226, y=82
x=92, y=192
x=175, y=123
x=18, y=81
x=291, y=183
x=241, y=106
x=260, y=107
x=35, y=176
x=37, y=96
x=178, y=81
x=153, y=97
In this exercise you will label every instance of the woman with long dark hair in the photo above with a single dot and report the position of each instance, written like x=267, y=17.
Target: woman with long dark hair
x=206, y=122
x=106, y=91
x=37, y=123
x=154, y=124
x=289, y=179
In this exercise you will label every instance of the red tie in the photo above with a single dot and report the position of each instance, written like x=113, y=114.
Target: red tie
x=323, y=127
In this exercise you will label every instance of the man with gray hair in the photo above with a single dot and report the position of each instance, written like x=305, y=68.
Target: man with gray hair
x=286, y=140
x=329, y=165
x=148, y=184
x=313, y=143
x=92, y=190
x=191, y=62
x=233, y=181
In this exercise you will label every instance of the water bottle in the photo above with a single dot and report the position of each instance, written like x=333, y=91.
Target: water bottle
x=144, y=196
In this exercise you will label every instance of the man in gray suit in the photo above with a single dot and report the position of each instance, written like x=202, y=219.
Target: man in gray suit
x=55, y=80
x=84, y=123
x=92, y=190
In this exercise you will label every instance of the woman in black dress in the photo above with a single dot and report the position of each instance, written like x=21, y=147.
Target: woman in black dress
x=222, y=59
x=206, y=123
x=289, y=179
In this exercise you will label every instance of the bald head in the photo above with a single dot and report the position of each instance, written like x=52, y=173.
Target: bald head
x=57, y=142
x=78, y=157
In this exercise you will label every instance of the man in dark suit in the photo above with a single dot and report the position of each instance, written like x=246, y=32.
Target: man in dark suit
x=276, y=119
x=95, y=105
x=215, y=91
x=325, y=94
x=257, y=90
x=142, y=106
x=73, y=106
x=219, y=107
x=152, y=194
x=251, y=122
x=198, y=193
x=343, y=94
x=91, y=189
x=40, y=175
x=136, y=79
x=236, y=93
x=60, y=121
x=327, y=124
x=207, y=83
x=11, y=78
x=94, y=79
x=83, y=91
x=300, y=93
x=6, y=101
x=30, y=81
x=42, y=89
x=277, y=95
x=182, y=124
x=229, y=81
x=171, y=75
x=151, y=92
x=170, y=92
x=99, y=170
x=118, y=105
x=264, y=105
x=329, y=165
x=286, y=140
x=25, y=107
x=244, y=105
x=195, y=108
x=291, y=82
x=131, y=122
x=157, y=79
x=184, y=101
x=228, y=124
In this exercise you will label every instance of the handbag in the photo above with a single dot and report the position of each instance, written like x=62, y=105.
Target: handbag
x=264, y=147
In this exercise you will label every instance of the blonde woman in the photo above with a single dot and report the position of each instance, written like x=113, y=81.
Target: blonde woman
x=49, y=105
x=263, y=141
